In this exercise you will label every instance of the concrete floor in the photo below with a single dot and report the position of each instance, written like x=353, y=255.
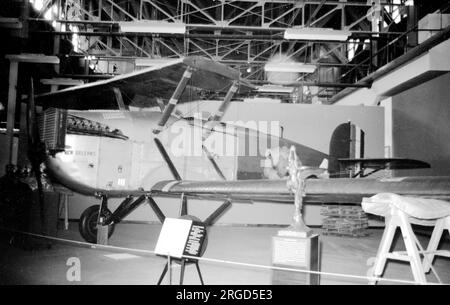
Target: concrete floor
x=240, y=244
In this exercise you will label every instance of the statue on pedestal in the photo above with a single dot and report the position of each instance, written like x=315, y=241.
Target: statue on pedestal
x=296, y=184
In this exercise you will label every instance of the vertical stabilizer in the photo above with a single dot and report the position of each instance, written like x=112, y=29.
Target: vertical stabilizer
x=347, y=142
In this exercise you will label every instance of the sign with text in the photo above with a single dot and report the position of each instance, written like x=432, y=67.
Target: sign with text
x=180, y=237
x=196, y=238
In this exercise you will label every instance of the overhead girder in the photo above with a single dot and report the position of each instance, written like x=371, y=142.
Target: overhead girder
x=243, y=34
x=222, y=14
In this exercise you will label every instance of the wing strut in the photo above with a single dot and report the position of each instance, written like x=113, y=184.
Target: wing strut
x=213, y=162
x=119, y=99
x=211, y=124
x=184, y=207
x=156, y=209
x=161, y=104
x=174, y=100
x=167, y=159
x=222, y=110
x=218, y=212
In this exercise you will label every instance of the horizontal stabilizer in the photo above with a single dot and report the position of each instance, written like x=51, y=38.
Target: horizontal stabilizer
x=384, y=163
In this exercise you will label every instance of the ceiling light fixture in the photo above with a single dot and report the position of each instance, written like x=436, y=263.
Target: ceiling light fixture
x=152, y=27
x=316, y=34
x=150, y=62
x=275, y=89
x=290, y=67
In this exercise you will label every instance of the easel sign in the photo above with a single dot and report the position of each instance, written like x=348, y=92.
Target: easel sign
x=180, y=237
x=173, y=237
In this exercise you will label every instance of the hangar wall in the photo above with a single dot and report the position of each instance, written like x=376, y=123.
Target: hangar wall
x=421, y=128
x=311, y=125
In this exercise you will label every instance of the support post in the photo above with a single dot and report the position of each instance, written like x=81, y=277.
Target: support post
x=385, y=245
x=183, y=267
x=433, y=244
x=66, y=212
x=169, y=264
x=12, y=95
x=161, y=277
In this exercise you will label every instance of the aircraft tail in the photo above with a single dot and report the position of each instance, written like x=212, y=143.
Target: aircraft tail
x=347, y=141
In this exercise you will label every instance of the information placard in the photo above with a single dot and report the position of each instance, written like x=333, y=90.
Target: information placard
x=173, y=236
x=290, y=251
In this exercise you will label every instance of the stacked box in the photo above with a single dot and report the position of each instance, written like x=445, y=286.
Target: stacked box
x=344, y=220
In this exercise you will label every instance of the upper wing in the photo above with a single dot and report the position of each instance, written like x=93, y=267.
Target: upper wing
x=385, y=163
x=141, y=88
x=340, y=190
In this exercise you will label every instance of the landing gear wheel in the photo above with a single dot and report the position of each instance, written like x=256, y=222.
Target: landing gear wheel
x=88, y=224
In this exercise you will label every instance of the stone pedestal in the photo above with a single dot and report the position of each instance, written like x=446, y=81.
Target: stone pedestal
x=295, y=250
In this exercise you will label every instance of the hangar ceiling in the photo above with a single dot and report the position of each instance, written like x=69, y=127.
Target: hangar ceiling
x=242, y=34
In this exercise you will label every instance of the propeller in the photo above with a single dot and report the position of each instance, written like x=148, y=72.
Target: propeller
x=36, y=149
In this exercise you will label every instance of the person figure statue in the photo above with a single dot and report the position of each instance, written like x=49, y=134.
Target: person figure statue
x=296, y=184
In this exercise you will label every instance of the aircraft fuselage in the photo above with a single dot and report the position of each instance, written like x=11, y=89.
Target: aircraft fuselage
x=115, y=152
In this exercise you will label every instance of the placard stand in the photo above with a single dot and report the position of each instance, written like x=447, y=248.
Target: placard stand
x=183, y=263
x=180, y=237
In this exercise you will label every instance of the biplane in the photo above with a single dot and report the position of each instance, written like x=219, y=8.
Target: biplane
x=96, y=146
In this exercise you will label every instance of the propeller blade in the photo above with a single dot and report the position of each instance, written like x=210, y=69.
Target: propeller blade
x=36, y=150
x=30, y=114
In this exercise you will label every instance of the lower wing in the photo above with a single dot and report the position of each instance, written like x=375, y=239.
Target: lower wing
x=341, y=190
